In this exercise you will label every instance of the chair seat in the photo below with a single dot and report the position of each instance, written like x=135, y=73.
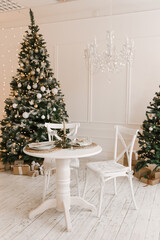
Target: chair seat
x=111, y=170
x=104, y=167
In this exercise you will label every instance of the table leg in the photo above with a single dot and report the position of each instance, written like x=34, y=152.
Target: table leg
x=63, y=189
x=50, y=203
x=78, y=201
x=63, y=200
x=67, y=217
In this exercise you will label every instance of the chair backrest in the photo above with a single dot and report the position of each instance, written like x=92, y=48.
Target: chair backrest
x=127, y=137
x=53, y=127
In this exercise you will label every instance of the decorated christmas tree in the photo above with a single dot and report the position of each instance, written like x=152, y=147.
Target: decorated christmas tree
x=149, y=138
x=35, y=98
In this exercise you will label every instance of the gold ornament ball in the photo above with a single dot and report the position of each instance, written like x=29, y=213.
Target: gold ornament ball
x=22, y=75
x=36, y=50
x=36, y=106
x=32, y=78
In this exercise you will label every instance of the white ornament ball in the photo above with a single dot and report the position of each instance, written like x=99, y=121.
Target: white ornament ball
x=43, y=88
x=14, y=105
x=150, y=129
x=50, y=78
x=32, y=72
x=28, y=87
x=38, y=70
x=48, y=91
x=35, y=85
x=19, y=85
x=54, y=109
x=25, y=115
x=31, y=102
x=39, y=95
x=55, y=91
x=21, y=64
x=43, y=117
x=43, y=64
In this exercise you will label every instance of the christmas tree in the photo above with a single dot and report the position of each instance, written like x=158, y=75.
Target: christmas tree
x=149, y=138
x=35, y=98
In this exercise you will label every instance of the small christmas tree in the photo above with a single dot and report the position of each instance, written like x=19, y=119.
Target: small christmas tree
x=35, y=98
x=149, y=139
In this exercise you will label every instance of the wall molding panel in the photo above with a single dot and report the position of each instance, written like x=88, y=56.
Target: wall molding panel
x=91, y=100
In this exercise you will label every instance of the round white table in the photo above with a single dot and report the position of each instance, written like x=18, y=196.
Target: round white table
x=63, y=200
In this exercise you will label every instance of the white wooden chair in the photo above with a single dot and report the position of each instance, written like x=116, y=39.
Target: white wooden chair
x=50, y=164
x=107, y=170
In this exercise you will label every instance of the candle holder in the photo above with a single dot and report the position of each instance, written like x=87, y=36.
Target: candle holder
x=64, y=142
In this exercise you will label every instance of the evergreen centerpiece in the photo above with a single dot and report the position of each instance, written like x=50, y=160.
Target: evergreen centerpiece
x=35, y=98
x=149, y=139
x=64, y=142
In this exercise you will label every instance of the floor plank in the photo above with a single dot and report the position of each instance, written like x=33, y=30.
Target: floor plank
x=119, y=220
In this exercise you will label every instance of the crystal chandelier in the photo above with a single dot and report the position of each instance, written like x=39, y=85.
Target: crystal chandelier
x=110, y=58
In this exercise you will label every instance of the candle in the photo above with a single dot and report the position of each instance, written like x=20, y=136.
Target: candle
x=64, y=127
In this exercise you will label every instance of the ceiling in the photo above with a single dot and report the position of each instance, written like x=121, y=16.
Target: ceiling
x=47, y=11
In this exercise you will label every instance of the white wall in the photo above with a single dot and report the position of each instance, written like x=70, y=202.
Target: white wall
x=124, y=100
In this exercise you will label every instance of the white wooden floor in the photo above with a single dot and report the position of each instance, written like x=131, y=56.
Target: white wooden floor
x=119, y=220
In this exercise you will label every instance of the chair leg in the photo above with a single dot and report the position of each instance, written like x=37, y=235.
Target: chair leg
x=48, y=178
x=77, y=180
x=132, y=191
x=86, y=182
x=45, y=184
x=115, y=186
x=100, y=198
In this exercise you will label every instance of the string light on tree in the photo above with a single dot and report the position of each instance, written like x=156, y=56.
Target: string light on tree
x=149, y=136
x=30, y=103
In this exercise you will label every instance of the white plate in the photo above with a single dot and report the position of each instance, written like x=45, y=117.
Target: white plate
x=81, y=142
x=41, y=145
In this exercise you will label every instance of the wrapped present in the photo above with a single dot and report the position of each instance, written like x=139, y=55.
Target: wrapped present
x=22, y=169
x=142, y=172
x=35, y=166
x=134, y=159
x=155, y=174
x=150, y=181
x=18, y=162
x=2, y=166
x=7, y=166
x=33, y=173
x=41, y=170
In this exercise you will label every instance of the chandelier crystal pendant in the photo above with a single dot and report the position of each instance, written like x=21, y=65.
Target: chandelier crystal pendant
x=110, y=59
